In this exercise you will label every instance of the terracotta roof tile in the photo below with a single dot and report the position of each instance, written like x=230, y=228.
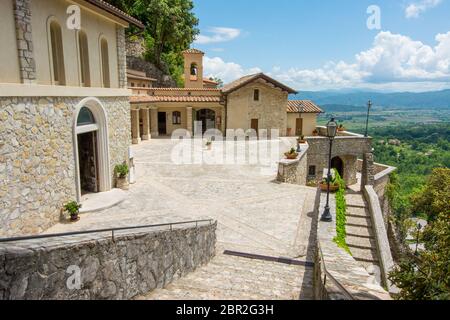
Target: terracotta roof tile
x=239, y=83
x=193, y=51
x=302, y=106
x=154, y=99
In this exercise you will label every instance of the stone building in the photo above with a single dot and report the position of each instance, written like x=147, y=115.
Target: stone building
x=252, y=102
x=64, y=107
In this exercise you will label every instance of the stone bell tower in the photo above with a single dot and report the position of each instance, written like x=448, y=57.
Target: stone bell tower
x=193, y=68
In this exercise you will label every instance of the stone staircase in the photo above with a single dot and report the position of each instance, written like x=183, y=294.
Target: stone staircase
x=229, y=277
x=360, y=235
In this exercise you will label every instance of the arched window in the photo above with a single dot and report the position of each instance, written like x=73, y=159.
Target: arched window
x=105, y=63
x=57, y=54
x=194, y=70
x=85, y=117
x=84, y=59
x=176, y=117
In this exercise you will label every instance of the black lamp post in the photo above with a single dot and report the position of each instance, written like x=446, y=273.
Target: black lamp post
x=331, y=134
x=369, y=106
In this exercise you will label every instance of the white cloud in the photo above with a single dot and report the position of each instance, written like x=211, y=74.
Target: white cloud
x=393, y=59
x=217, y=35
x=227, y=71
x=414, y=10
x=393, y=62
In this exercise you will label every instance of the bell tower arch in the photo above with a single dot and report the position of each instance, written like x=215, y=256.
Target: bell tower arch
x=193, y=68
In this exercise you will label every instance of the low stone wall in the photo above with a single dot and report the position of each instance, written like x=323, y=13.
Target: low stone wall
x=132, y=264
x=340, y=266
x=378, y=222
x=294, y=171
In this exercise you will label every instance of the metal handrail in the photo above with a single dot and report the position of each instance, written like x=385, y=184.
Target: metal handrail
x=112, y=230
x=333, y=279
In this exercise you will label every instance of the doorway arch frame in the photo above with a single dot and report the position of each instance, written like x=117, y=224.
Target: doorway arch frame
x=101, y=128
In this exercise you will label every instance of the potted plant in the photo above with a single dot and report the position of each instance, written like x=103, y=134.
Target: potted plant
x=341, y=128
x=301, y=140
x=315, y=132
x=334, y=185
x=209, y=144
x=292, y=154
x=73, y=208
x=121, y=171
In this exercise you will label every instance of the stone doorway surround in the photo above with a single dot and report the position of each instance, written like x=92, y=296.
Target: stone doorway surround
x=101, y=128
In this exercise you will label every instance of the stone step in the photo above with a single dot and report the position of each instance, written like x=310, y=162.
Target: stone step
x=361, y=241
x=355, y=200
x=364, y=255
x=359, y=221
x=363, y=231
x=357, y=212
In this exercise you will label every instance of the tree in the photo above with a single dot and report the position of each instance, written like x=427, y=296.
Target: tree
x=170, y=28
x=427, y=275
x=218, y=80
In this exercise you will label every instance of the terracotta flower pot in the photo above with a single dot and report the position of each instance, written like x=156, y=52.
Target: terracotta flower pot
x=74, y=217
x=291, y=156
x=333, y=187
x=122, y=183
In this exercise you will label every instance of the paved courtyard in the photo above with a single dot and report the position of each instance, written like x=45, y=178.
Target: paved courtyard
x=254, y=213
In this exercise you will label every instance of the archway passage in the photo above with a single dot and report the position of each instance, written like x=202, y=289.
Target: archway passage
x=208, y=119
x=88, y=163
x=338, y=164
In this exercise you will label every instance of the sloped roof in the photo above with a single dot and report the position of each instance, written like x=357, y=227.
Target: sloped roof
x=154, y=99
x=239, y=83
x=302, y=106
x=193, y=51
x=116, y=12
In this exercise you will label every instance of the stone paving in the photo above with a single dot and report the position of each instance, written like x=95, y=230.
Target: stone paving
x=254, y=213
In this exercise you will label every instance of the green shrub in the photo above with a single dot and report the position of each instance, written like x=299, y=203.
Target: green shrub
x=341, y=214
x=72, y=207
x=121, y=170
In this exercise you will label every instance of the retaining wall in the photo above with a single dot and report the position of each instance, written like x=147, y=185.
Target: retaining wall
x=131, y=264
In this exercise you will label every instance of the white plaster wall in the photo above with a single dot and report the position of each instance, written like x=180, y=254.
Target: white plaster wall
x=93, y=24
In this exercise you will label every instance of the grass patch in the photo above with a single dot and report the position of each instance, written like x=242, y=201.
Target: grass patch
x=341, y=215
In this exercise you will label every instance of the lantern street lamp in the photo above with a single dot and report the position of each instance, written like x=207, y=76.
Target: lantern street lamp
x=331, y=134
x=369, y=106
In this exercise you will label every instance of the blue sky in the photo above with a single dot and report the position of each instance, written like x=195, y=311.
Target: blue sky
x=317, y=45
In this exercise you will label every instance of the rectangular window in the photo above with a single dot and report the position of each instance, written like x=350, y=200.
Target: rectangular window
x=256, y=95
x=312, y=171
x=176, y=117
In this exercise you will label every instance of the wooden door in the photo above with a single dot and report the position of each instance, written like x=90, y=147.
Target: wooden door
x=255, y=125
x=299, y=127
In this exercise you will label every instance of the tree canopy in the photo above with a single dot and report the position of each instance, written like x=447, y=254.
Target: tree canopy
x=427, y=275
x=170, y=28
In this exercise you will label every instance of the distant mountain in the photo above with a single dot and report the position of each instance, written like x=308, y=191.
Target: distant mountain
x=432, y=99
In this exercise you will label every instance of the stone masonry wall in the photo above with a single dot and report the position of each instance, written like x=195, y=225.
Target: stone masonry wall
x=130, y=265
x=347, y=148
x=294, y=171
x=22, y=16
x=162, y=79
x=37, y=165
x=121, y=57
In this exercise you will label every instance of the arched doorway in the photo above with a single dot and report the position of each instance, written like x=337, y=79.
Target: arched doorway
x=91, y=150
x=338, y=164
x=208, y=119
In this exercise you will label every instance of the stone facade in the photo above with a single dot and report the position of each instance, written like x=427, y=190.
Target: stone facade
x=22, y=16
x=294, y=171
x=347, y=148
x=37, y=162
x=121, y=57
x=270, y=110
x=121, y=268
x=163, y=80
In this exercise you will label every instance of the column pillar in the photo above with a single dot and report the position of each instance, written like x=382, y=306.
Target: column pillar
x=189, y=123
x=135, y=134
x=367, y=174
x=223, y=121
x=154, y=122
x=22, y=17
x=145, y=124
